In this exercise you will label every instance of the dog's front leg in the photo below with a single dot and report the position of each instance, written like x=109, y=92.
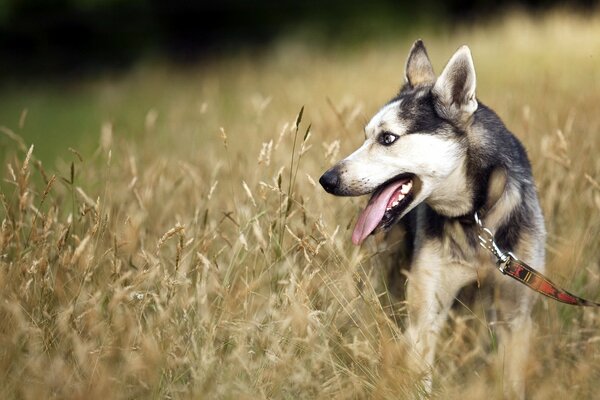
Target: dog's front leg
x=514, y=328
x=433, y=284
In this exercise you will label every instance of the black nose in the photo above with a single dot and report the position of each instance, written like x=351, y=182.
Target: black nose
x=330, y=180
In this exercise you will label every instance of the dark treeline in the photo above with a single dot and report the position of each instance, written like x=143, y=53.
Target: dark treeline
x=67, y=36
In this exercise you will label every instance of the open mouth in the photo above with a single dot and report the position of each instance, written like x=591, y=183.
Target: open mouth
x=385, y=206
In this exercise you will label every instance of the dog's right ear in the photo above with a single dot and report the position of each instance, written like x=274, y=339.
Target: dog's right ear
x=418, y=70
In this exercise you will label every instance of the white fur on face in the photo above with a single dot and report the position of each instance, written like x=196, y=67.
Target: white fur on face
x=436, y=160
x=428, y=156
x=386, y=119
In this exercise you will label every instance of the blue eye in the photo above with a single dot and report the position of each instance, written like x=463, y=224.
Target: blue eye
x=387, y=138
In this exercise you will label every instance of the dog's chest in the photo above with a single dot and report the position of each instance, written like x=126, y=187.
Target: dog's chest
x=454, y=240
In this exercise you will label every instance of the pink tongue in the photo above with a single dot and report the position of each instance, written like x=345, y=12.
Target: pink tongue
x=373, y=213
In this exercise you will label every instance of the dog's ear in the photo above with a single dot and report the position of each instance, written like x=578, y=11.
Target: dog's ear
x=418, y=69
x=454, y=90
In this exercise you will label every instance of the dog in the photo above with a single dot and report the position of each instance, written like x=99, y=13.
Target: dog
x=433, y=156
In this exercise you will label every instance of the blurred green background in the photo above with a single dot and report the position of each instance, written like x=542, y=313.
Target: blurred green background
x=68, y=66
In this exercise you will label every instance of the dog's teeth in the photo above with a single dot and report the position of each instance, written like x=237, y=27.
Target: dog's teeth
x=395, y=203
x=400, y=196
x=405, y=188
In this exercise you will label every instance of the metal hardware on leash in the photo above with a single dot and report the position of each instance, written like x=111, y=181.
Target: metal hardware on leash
x=510, y=265
x=486, y=240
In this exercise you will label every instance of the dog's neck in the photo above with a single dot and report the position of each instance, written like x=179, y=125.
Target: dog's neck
x=453, y=196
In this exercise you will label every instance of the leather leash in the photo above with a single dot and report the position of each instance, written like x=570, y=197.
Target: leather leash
x=510, y=265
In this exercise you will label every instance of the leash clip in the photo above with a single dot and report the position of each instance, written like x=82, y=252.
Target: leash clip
x=487, y=241
x=510, y=265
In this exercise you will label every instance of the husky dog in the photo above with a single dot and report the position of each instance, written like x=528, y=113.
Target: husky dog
x=433, y=156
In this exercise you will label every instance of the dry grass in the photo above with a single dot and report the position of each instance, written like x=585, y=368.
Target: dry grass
x=194, y=256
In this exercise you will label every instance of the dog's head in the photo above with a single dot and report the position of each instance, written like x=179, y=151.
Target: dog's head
x=415, y=146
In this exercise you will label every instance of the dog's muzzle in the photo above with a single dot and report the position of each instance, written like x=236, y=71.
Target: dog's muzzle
x=330, y=181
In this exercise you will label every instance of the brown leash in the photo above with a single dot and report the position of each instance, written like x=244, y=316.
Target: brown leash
x=510, y=265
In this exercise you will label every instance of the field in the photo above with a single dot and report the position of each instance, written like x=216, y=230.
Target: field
x=164, y=236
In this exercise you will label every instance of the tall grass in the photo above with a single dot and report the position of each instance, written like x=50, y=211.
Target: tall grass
x=192, y=255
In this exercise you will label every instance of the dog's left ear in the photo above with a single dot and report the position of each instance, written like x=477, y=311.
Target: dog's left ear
x=454, y=90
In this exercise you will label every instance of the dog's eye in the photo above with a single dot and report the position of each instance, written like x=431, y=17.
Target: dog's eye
x=387, y=138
